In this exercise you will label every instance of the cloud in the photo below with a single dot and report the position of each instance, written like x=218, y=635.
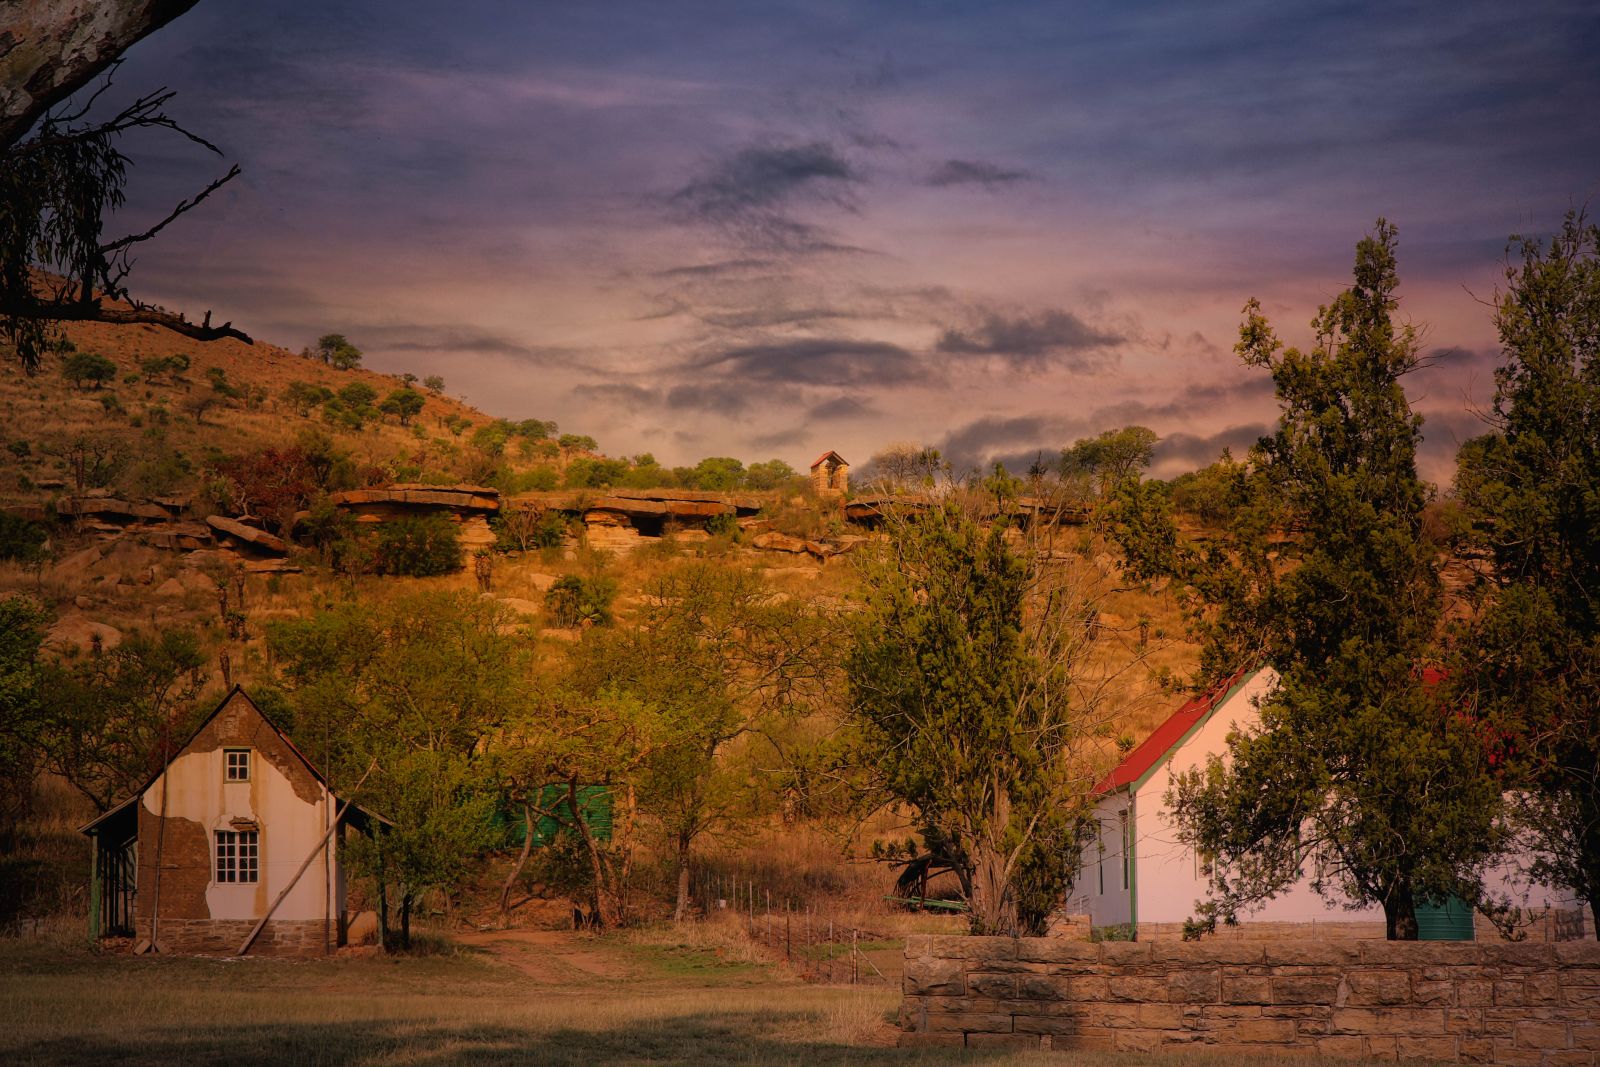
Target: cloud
x=726, y=266
x=752, y=192
x=728, y=397
x=818, y=361
x=841, y=408
x=975, y=172
x=417, y=337
x=1014, y=441
x=750, y=318
x=1031, y=340
x=630, y=397
x=1179, y=452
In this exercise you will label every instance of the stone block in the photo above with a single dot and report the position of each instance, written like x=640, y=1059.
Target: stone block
x=919, y=945
x=1054, y=950
x=961, y=947
x=1586, y=1035
x=1196, y=986
x=988, y=984
x=1313, y=953
x=1125, y=954
x=1426, y=1048
x=1342, y=1048
x=1138, y=1040
x=1257, y=1031
x=1427, y=993
x=1304, y=989
x=1420, y=953
x=1378, y=987
x=1246, y=989
x=1046, y=1024
x=1578, y=953
x=1572, y=1057
x=1411, y=1022
x=1509, y=993
x=1140, y=989
x=1540, y=1035
x=934, y=977
x=1475, y=992
x=1518, y=954
x=1507, y=1052
x=969, y=1022
x=1475, y=1049
x=1199, y=954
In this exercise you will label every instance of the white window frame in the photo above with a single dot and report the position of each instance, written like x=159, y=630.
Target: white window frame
x=244, y=763
x=236, y=857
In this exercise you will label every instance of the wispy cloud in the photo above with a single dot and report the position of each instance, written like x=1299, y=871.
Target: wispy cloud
x=1052, y=335
x=975, y=172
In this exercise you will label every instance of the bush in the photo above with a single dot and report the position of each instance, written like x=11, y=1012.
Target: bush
x=89, y=367
x=418, y=547
x=574, y=601
x=523, y=529
x=20, y=539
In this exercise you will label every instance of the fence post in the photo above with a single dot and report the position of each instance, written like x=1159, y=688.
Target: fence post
x=853, y=966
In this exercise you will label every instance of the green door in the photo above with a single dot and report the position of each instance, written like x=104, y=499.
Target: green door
x=1450, y=921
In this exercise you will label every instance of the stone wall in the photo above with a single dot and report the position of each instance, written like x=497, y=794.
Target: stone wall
x=1450, y=1001
x=222, y=937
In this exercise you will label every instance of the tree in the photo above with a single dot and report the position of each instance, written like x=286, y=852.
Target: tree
x=573, y=600
x=336, y=350
x=418, y=547
x=272, y=484
x=1531, y=657
x=718, y=473
x=434, y=384
x=414, y=688
x=1094, y=466
x=111, y=719
x=1324, y=571
x=303, y=396
x=58, y=187
x=773, y=474
x=404, y=404
x=974, y=702
x=89, y=367
x=22, y=631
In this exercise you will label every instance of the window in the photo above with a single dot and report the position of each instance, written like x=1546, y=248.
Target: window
x=237, y=855
x=1127, y=845
x=237, y=761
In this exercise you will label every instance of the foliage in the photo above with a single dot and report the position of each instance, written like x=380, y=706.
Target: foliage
x=1531, y=657
x=272, y=484
x=418, y=547
x=1324, y=571
x=434, y=384
x=519, y=529
x=716, y=473
x=22, y=631
x=573, y=600
x=1095, y=466
x=89, y=367
x=157, y=367
x=773, y=474
x=20, y=539
x=970, y=702
x=404, y=404
x=411, y=688
x=112, y=718
x=336, y=351
x=303, y=396
x=573, y=442
x=595, y=473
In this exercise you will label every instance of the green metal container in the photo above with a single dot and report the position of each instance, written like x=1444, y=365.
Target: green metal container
x=1449, y=921
x=594, y=803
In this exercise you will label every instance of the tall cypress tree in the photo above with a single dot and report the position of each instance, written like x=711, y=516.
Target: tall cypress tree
x=1326, y=574
x=1532, y=488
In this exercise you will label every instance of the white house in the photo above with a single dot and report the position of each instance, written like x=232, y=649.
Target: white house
x=203, y=852
x=1136, y=872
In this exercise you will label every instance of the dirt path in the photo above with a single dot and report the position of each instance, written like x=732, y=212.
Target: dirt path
x=552, y=957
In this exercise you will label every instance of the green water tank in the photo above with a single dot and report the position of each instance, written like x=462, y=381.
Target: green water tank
x=1450, y=921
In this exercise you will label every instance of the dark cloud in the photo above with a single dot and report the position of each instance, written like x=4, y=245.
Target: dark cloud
x=450, y=338
x=726, y=266
x=752, y=192
x=1179, y=452
x=1250, y=395
x=1031, y=340
x=818, y=361
x=1014, y=441
x=841, y=408
x=975, y=172
x=631, y=397
x=752, y=318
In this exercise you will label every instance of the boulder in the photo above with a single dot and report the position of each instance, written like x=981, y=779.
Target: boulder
x=79, y=631
x=777, y=542
x=520, y=606
x=109, y=509
x=250, y=535
x=541, y=582
x=171, y=588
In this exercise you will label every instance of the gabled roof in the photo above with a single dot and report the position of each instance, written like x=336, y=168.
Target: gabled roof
x=236, y=691
x=820, y=460
x=1167, y=736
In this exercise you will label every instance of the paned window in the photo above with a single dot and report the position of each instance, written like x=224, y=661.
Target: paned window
x=238, y=853
x=237, y=763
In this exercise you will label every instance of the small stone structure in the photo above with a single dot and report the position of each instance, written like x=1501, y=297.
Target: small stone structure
x=1449, y=1001
x=830, y=475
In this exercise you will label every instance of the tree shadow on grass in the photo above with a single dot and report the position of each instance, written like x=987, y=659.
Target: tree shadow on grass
x=699, y=1039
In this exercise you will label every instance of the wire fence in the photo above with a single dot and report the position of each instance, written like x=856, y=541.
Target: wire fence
x=819, y=946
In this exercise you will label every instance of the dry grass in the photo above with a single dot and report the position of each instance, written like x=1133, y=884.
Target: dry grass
x=66, y=1006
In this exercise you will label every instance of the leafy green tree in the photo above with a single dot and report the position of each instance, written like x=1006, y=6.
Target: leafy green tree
x=434, y=384
x=413, y=688
x=573, y=442
x=358, y=396
x=21, y=540
x=971, y=702
x=418, y=547
x=89, y=367
x=404, y=404
x=1532, y=490
x=22, y=631
x=773, y=474
x=718, y=474
x=303, y=396
x=113, y=717
x=1325, y=572
x=1094, y=466
x=336, y=351
x=598, y=473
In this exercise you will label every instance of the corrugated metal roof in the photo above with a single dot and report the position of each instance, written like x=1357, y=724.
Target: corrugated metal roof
x=1162, y=740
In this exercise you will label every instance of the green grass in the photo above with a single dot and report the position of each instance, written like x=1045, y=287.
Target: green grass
x=675, y=1005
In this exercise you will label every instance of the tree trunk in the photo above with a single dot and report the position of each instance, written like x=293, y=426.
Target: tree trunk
x=50, y=51
x=994, y=912
x=516, y=871
x=605, y=910
x=405, y=921
x=1400, y=915
x=383, y=912
x=681, y=910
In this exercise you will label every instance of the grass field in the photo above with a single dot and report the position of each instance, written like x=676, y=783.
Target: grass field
x=523, y=998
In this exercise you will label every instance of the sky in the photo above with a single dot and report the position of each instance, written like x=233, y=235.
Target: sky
x=771, y=229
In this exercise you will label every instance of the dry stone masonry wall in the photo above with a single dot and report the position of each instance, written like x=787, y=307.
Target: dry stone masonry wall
x=1452, y=1002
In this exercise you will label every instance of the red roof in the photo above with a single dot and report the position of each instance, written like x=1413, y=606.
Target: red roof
x=819, y=460
x=1158, y=744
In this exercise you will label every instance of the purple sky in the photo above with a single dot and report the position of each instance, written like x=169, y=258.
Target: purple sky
x=772, y=229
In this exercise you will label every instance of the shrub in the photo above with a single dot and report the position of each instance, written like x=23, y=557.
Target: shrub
x=433, y=383
x=111, y=405
x=89, y=367
x=418, y=547
x=20, y=449
x=574, y=601
x=523, y=529
x=303, y=396
x=20, y=539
